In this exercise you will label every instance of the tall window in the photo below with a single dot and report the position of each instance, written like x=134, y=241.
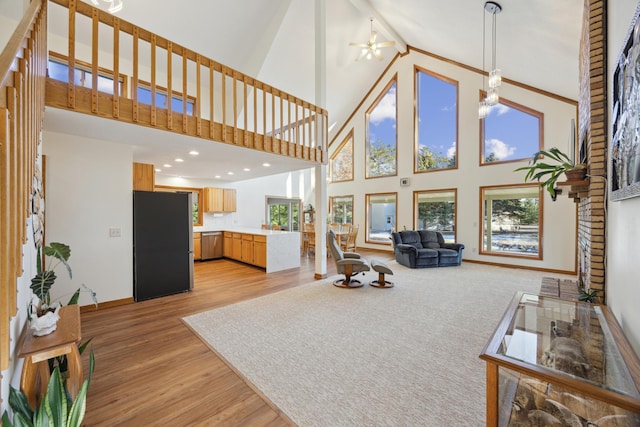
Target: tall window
x=436, y=210
x=284, y=213
x=510, y=132
x=512, y=220
x=436, y=121
x=341, y=163
x=381, y=137
x=381, y=217
x=341, y=209
x=58, y=69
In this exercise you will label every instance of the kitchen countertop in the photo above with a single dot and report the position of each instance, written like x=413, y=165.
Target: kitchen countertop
x=248, y=230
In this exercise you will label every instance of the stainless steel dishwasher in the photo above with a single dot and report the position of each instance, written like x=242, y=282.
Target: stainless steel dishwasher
x=211, y=245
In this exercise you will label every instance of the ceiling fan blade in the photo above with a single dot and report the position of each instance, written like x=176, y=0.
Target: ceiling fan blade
x=359, y=44
x=377, y=54
x=386, y=44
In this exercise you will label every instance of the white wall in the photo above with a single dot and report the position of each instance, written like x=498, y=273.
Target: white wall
x=559, y=217
x=88, y=190
x=623, y=220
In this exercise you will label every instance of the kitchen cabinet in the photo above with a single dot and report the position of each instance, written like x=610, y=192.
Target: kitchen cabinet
x=227, y=246
x=247, y=249
x=144, y=177
x=219, y=199
x=236, y=247
x=566, y=361
x=260, y=251
x=197, y=246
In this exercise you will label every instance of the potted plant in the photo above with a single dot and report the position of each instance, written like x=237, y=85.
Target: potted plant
x=56, y=408
x=43, y=313
x=549, y=173
x=588, y=295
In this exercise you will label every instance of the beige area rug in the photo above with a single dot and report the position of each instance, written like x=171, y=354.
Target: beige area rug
x=404, y=356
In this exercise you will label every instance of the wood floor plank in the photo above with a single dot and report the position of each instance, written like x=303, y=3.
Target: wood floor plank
x=152, y=370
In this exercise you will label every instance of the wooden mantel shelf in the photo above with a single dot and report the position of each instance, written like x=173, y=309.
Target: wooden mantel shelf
x=579, y=188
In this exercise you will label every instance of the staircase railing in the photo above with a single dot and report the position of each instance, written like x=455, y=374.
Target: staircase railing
x=22, y=76
x=176, y=89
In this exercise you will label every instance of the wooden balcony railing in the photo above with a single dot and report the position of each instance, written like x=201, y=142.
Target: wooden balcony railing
x=176, y=89
x=23, y=69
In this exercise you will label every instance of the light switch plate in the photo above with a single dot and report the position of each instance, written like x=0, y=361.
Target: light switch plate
x=115, y=232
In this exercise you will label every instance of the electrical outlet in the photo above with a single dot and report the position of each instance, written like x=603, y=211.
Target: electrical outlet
x=474, y=250
x=115, y=232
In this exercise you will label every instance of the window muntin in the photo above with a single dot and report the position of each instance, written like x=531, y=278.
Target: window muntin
x=436, y=122
x=341, y=209
x=58, y=69
x=341, y=162
x=197, y=195
x=381, y=139
x=511, y=220
x=381, y=217
x=436, y=210
x=510, y=133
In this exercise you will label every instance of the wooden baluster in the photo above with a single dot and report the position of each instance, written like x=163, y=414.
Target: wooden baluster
x=116, y=68
x=94, y=62
x=235, y=107
x=169, y=85
x=255, y=115
x=184, y=90
x=71, y=88
x=224, y=104
x=198, y=96
x=154, y=110
x=244, y=125
x=211, y=98
x=134, y=83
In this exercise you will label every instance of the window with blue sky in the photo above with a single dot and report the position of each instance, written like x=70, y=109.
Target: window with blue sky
x=510, y=132
x=381, y=139
x=436, y=121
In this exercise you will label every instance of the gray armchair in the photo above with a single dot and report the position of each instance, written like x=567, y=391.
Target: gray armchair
x=347, y=263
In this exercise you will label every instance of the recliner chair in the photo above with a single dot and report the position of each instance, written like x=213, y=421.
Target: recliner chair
x=347, y=263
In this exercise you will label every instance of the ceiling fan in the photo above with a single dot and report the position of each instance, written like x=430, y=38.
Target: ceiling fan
x=371, y=48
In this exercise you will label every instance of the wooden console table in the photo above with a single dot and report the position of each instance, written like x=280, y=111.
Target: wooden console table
x=38, y=350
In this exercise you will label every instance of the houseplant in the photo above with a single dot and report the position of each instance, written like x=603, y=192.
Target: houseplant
x=56, y=408
x=43, y=312
x=549, y=173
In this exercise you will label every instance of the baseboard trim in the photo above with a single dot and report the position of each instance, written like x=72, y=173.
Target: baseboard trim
x=107, y=304
x=522, y=267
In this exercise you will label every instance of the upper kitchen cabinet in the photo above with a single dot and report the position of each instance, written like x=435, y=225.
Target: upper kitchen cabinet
x=143, y=177
x=219, y=199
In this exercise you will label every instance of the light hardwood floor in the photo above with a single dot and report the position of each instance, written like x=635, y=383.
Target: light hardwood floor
x=152, y=370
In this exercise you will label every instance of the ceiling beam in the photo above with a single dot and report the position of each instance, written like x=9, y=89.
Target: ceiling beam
x=381, y=25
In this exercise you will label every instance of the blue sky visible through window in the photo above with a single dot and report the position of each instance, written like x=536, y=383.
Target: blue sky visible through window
x=382, y=132
x=510, y=134
x=437, y=122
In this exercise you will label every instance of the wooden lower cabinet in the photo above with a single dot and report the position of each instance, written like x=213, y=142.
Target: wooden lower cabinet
x=248, y=248
x=260, y=251
x=197, y=247
x=227, y=245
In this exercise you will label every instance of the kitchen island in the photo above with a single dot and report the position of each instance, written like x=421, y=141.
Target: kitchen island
x=272, y=250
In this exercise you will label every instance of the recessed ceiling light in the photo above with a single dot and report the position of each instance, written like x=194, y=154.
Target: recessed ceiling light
x=217, y=176
x=229, y=173
x=193, y=153
x=179, y=160
x=167, y=165
x=246, y=169
x=158, y=170
x=266, y=165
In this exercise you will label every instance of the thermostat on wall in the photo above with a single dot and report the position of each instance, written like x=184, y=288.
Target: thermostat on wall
x=404, y=182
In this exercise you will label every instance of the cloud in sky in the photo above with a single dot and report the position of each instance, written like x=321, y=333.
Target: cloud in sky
x=499, y=148
x=386, y=108
x=452, y=150
x=500, y=109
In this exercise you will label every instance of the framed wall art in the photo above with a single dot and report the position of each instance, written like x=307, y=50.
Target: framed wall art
x=625, y=117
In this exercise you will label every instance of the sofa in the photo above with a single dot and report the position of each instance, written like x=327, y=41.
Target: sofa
x=425, y=248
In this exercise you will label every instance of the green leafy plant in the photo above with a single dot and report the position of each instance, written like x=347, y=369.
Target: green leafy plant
x=588, y=295
x=56, y=409
x=44, y=279
x=549, y=173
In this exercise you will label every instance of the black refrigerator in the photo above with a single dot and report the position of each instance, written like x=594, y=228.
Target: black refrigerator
x=162, y=244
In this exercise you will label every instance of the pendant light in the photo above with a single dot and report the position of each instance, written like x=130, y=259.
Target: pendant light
x=495, y=75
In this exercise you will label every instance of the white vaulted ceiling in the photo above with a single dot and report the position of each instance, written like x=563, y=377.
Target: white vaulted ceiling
x=273, y=40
